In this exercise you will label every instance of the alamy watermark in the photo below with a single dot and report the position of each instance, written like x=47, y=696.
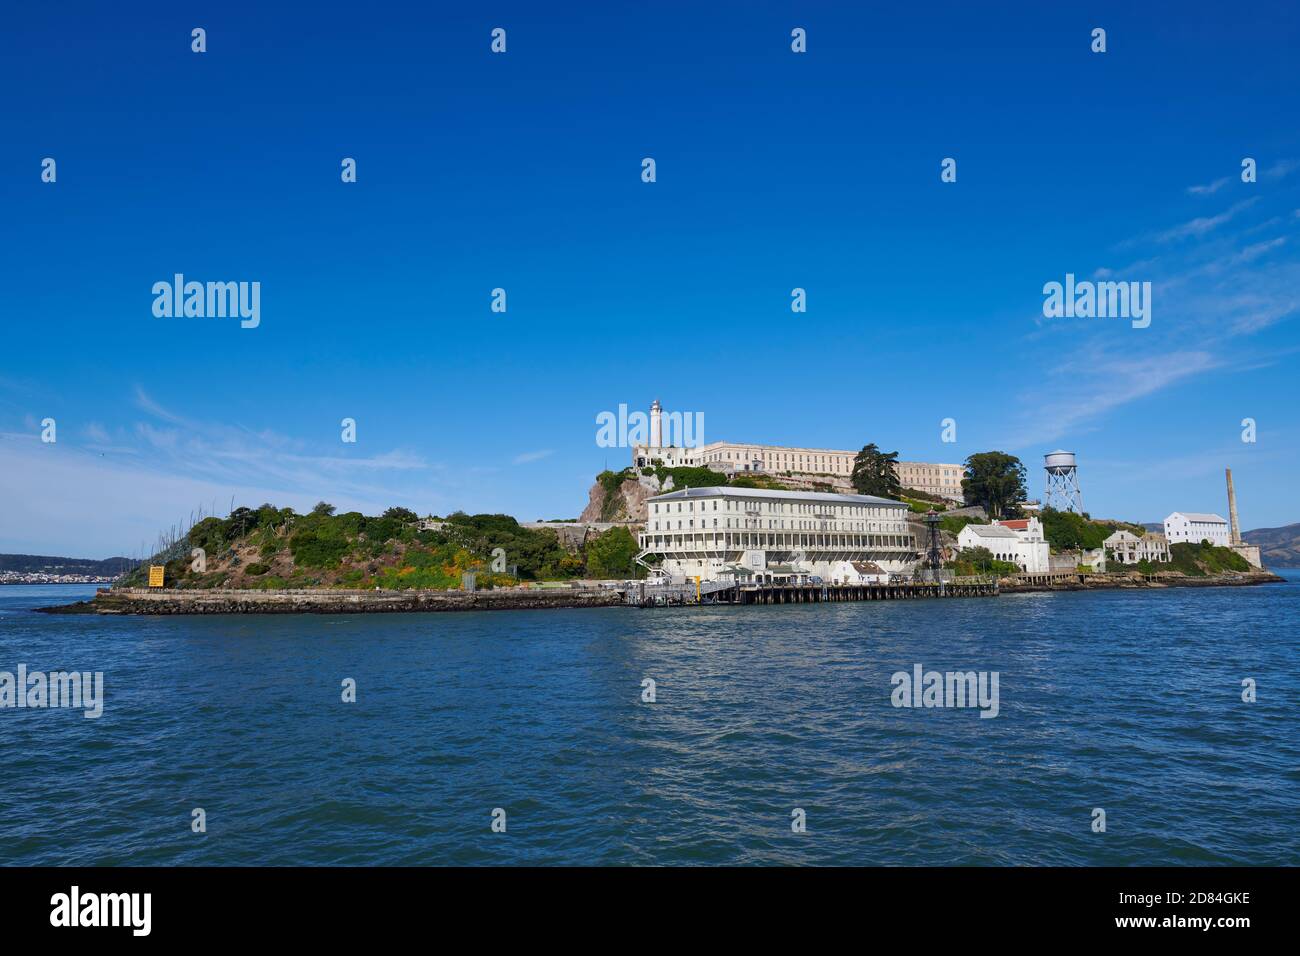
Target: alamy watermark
x=624, y=430
x=211, y=300
x=65, y=689
x=75, y=909
x=922, y=688
x=1101, y=300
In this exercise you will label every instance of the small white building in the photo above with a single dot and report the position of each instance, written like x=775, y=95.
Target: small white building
x=1094, y=558
x=1193, y=528
x=862, y=572
x=1019, y=542
x=1128, y=548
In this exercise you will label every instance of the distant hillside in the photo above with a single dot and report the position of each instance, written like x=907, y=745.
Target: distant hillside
x=1279, y=547
x=47, y=564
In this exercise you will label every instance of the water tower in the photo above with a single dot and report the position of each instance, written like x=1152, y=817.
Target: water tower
x=1062, y=492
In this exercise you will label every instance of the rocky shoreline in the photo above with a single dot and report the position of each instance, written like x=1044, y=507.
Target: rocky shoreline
x=330, y=601
x=1113, y=582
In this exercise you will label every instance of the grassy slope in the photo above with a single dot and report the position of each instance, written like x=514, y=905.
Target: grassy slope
x=274, y=548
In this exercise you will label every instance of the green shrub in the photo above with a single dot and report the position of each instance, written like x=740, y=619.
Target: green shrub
x=1198, y=560
x=762, y=481
x=687, y=477
x=980, y=560
x=380, y=530
x=257, y=568
x=208, y=534
x=611, y=480
x=954, y=523
x=312, y=550
x=1067, y=531
x=610, y=554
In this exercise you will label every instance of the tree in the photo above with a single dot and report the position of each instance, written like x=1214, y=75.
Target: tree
x=1067, y=531
x=239, y=523
x=875, y=473
x=610, y=554
x=977, y=557
x=402, y=515
x=208, y=534
x=980, y=560
x=996, y=481
x=323, y=508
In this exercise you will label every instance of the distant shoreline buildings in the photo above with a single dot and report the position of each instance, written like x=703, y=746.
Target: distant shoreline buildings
x=43, y=577
x=765, y=536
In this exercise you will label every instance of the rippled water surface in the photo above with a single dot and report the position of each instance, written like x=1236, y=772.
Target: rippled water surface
x=1127, y=701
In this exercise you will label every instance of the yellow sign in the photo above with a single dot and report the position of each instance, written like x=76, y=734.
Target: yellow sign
x=155, y=575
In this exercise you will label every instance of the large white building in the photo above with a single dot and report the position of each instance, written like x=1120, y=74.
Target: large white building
x=752, y=535
x=1128, y=548
x=731, y=457
x=1192, y=528
x=1019, y=542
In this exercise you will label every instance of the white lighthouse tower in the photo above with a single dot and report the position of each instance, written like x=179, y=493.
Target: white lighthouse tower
x=656, y=425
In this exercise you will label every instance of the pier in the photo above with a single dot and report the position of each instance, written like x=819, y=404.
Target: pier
x=722, y=593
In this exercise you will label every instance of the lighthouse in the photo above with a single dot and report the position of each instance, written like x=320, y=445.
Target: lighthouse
x=656, y=425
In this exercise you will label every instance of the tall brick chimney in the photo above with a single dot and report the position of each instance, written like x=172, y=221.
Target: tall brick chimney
x=1232, y=510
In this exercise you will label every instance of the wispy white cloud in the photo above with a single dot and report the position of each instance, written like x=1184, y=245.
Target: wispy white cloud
x=1281, y=169
x=144, y=402
x=1211, y=294
x=145, y=474
x=1078, y=391
x=1209, y=188
x=97, y=433
x=528, y=456
x=1241, y=256
x=1201, y=225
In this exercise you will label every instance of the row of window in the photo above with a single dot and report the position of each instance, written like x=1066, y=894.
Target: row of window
x=758, y=506
x=781, y=524
x=913, y=471
x=780, y=459
x=861, y=542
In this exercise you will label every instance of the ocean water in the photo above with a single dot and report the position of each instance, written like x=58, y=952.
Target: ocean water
x=1125, y=701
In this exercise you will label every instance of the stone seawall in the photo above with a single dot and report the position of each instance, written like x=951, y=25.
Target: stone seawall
x=335, y=602
x=1107, y=582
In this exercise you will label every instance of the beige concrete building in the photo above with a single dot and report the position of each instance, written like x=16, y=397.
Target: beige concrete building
x=935, y=479
x=732, y=457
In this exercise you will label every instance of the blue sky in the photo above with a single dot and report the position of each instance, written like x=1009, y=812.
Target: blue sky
x=522, y=171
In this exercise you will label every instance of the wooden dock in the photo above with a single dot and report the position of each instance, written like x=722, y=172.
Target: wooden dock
x=677, y=595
